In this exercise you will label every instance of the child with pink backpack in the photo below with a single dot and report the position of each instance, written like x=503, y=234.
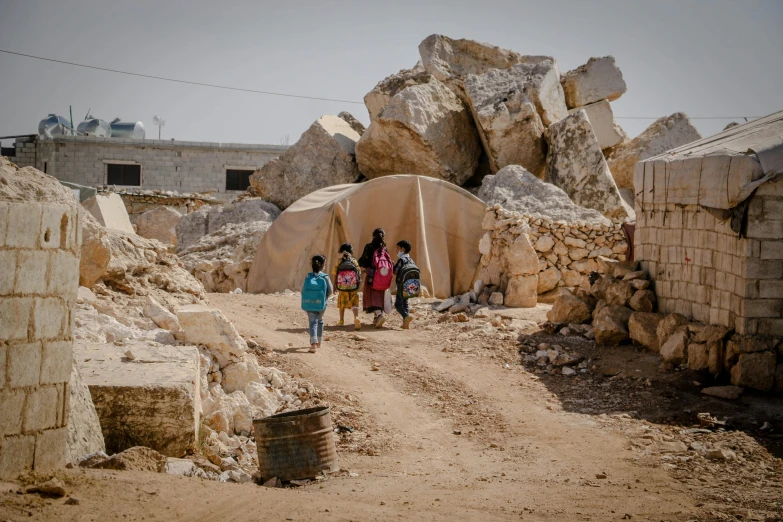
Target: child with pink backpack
x=379, y=269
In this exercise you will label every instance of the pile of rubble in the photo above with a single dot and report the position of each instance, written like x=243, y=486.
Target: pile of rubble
x=469, y=109
x=621, y=306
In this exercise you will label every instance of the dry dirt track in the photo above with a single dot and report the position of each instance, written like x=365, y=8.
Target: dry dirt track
x=518, y=455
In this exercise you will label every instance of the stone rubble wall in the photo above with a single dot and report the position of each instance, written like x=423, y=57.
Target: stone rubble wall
x=182, y=166
x=703, y=271
x=39, y=271
x=567, y=252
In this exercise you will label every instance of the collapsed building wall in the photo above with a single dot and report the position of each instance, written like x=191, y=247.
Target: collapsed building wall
x=39, y=256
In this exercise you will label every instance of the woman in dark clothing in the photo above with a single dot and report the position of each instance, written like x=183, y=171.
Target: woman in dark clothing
x=372, y=300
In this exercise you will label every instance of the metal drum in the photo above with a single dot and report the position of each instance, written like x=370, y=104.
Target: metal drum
x=54, y=125
x=296, y=445
x=94, y=127
x=127, y=129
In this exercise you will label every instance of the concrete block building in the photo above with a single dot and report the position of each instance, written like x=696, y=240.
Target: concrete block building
x=709, y=227
x=180, y=166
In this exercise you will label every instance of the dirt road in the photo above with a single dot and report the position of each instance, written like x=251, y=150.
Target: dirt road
x=463, y=432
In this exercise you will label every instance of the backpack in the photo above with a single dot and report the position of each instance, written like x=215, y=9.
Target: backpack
x=348, y=276
x=409, y=280
x=314, y=291
x=384, y=270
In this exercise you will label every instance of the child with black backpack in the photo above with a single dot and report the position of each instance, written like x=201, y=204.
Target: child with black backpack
x=316, y=289
x=348, y=278
x=408, y=282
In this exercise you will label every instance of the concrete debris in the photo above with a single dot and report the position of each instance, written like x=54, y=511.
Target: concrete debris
x=665, y=134
x=598, y=79
x=323, y=156
x=109, y=210
x=159, y=223
x=377, y=99
x=516, y=189
x=512, y=107
x=576, y=164
x=426, y=130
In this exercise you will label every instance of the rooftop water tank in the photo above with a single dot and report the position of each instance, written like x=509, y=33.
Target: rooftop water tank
x=127, y=129
x=54, y=125
x=95, y=127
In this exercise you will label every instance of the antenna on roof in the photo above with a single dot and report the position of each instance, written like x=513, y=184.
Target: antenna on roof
x=160, y=122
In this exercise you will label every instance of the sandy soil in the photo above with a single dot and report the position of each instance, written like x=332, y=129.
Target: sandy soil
x=454, y=427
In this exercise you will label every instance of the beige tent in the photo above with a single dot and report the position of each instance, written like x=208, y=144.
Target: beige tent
x=441, y=220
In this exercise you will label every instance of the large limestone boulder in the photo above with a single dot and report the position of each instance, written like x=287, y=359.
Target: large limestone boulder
x=84, y=426
x=30, y=184
x=512, y=107
x=569, y=309
x=576, y=165
x=668, y=325
x=598, y=79
x=378, y=98
x=642, y=328
x=109, y=210
x=208, y=327
x=675, y=349
x=144, y=395
x=611, y=325
x=514, y=188
x=159, y=223
x=96, y=251
x=323, y=156
x=665, y=134
x=426, y=130
x=607, y=131
x=208, y=220
x=522, y=292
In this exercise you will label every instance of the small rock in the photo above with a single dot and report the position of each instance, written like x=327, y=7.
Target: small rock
x=496, y=299
x=357, y=337
x=462, y=318
x=601, y=475
x=51, y=488
x=724, y=392
x=72, y=501
x=568, y=372
x=129, y=355
x=720, y=454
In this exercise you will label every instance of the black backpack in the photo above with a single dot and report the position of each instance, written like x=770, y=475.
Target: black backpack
x=409, y=280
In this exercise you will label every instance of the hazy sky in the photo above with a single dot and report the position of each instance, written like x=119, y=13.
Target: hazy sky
x=706, y=58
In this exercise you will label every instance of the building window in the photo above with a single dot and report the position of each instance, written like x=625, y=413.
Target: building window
x=238, y=179
x=119, y=174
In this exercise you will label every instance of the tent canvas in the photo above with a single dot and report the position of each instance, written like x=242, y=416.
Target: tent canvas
x=441, y=220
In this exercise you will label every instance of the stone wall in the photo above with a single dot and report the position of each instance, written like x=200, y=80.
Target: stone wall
x=39, y=274
x=703, y=270
x=182, y=166
x=567, y=252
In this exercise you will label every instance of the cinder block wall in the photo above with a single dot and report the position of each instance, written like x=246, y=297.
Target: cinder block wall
x=39, y=274
x=702, y=270
x=181, y=166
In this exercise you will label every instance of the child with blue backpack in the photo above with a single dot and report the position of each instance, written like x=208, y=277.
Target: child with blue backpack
x=316, y=290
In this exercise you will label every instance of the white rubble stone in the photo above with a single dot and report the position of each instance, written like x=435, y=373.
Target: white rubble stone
x=84, y=427
x=159, y=223
x=522, y=292
x=601, y=117
x=152, y=400
x=446, y=58
x=512, y=107
x=665, y=134
x=377, y=99
x=160, y=315
x=323, y=156
x=426, y=130
x=521, y=257
x=209, y=327
x=238, y=375
x=575, y=164
x=598, y=79
x=110, y=212
x=514, y=188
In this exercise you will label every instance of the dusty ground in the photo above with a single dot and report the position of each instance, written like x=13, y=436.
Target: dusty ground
x=449, y=425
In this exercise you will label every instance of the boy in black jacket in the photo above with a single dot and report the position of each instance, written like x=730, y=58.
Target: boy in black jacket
x=401, y=303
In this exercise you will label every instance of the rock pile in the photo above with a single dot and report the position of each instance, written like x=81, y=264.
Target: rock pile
x=517, y=247
x=621, y=307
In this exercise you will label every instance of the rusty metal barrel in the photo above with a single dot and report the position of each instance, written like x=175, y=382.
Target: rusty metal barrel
x=296, y=445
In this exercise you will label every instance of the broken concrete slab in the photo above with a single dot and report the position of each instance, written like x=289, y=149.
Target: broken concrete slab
x=209, y=327
x=601, y=117
x=511, y=108
x=159, y=223
x=665, y=134
x=576, y=164
x=110, y=212
x=425, y=130
x=598, y=79
x=151, y=399
x=323, y=156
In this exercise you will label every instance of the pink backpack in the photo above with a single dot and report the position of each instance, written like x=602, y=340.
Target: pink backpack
x=384, y=270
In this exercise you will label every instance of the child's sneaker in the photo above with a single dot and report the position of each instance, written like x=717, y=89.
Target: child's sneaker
x=357, y=324
x=340, y=323
x=406, y=323
x=312, y=348
x=380, y=321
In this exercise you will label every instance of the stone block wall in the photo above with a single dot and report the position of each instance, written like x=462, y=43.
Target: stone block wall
x=567, y=252
x=39, y=274
x=703, y=270
x=181, y=166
